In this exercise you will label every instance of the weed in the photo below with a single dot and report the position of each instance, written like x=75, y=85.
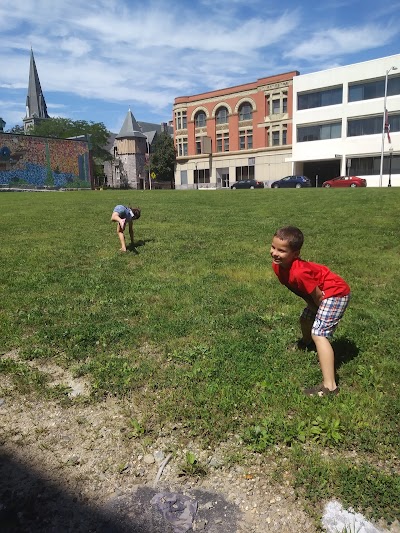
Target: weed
x=192, y=467
x=137, y=429
x=326, y=431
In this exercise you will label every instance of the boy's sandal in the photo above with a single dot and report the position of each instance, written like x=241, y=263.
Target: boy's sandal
x=301, y=345
x=320, y=390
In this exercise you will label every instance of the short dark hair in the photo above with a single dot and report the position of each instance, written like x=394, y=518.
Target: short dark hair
x=136, y=212
x=294, y=236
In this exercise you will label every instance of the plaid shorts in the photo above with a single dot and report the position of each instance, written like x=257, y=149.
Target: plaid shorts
x=326, y=319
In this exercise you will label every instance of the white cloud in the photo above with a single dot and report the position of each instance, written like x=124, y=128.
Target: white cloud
x=341, y=41
x=145, y=55
x=76, y=47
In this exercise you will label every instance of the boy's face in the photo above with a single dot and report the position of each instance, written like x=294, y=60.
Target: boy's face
x=281, y=253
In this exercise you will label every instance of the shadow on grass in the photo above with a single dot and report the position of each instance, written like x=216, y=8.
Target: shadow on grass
x=345, y=350
x=137, y=244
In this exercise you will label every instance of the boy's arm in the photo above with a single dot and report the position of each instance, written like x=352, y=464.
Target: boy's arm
x=314, y=298
x=131, y=230
x=317, y=296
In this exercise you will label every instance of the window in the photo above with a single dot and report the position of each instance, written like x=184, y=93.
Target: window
x=198, y=145
x=180, y=120
x=371, y=125
x=284, y=137
x=275, y=138
x=249, y=139
x=374, y=89
x=182, y=146
x=367, y=166
x=284, y=105
x=245, y=173
x=202, y=176
x=223, y=142
x=222, y=116
x=245, y=139
x=200, y=119
x=319, y=132
x=322, y=98
x=245, y=111
x=226, y=142
x=276, y=106
x=242, y=140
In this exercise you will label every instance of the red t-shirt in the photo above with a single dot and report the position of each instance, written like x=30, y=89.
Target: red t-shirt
x=303, y=276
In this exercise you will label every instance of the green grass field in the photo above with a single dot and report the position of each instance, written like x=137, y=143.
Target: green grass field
x=194, y=325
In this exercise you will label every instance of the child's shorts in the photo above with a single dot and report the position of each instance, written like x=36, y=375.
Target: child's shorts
x=329, y=313
x=121, y=210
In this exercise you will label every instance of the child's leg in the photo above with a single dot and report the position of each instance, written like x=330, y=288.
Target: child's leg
x=306, y=325
x=326, y=360
x=329, y=313
x=121, y=236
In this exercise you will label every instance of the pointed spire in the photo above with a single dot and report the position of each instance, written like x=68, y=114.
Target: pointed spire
x=35, y=102
x=130, y=128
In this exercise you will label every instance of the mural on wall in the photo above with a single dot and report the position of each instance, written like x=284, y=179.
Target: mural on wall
x=40, y=161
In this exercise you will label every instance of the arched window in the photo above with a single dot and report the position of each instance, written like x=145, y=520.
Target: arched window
x=221, y=115
x=245, y=111
x=200, y=119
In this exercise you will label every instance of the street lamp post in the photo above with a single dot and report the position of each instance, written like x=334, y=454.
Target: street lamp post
x=148, y=151
x=390, y=166
x=384, y=123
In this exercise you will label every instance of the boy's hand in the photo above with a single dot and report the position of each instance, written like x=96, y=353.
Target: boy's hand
x=317, y=296
x=311, y=304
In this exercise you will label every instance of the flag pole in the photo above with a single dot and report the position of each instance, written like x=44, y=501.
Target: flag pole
x=384, y=124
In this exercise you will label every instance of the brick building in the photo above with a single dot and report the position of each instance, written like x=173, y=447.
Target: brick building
x=235, y=133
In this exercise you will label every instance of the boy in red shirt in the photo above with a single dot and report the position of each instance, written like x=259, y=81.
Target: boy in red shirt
x=327, y=296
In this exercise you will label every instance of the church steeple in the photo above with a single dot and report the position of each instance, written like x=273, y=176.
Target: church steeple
x=130, y=128
x=36, y=107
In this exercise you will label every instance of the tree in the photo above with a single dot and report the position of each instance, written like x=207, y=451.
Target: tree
x=162, y=159
x=16, y=129
x=63, y=128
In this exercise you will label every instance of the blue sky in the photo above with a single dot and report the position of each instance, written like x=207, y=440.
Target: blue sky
x=98, y=58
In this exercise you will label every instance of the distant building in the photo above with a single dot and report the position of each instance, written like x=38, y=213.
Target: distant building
x=232, y=134
x=36, y=108
x=130, y=149
x=2, y=124
x=339, y=124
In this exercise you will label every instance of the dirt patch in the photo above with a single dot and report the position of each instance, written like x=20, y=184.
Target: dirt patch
x=79, y=468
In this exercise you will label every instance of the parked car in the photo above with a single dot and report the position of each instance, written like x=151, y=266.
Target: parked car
x=248, y=184
x=292, y=181
x=345, y=181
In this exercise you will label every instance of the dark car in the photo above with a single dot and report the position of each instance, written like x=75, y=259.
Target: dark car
x=345, y=181
x=292, y=181
x=248, y=184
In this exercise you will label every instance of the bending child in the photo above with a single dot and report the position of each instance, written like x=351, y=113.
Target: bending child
x=122, y=214
x=327, y=296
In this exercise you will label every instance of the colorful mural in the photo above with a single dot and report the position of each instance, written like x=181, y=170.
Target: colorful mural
x=40, y=161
